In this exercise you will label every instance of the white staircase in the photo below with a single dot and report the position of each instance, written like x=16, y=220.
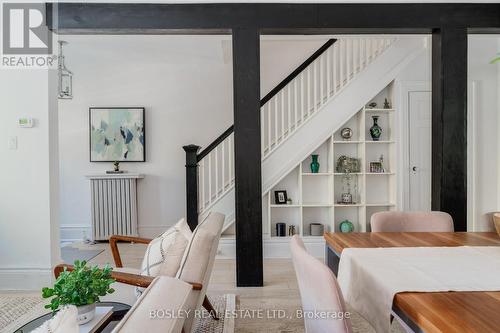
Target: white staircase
x=306, y=111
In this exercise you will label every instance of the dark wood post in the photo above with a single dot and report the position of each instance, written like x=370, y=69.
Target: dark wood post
x=247, y=157
x=192, y=185
x=449, y=123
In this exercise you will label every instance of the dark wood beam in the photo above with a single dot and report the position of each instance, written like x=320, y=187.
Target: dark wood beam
x=247, y=157
x=449, y=123
x=268, y=18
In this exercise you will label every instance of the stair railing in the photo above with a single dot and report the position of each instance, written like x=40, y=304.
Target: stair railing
x=210, y=173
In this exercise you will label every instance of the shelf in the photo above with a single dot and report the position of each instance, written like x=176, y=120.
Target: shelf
x=352, y=205
x=382, y=204
x=380, y=173
x=316, y=174
x=379, y=110
x=317, y=205
x=347, y=142
x=342, y=173
x=380, y=142
x=284, y=206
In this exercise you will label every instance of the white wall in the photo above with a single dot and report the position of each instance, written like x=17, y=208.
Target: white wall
x=28, y=181
x=185, y=83
x=483, y=192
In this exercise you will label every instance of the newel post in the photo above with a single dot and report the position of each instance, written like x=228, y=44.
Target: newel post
x=192, y=185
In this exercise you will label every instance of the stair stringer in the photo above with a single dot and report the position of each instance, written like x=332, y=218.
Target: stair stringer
x=339, y=110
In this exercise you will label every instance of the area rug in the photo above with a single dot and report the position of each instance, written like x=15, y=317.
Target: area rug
x=16, y=310
x=69, y=254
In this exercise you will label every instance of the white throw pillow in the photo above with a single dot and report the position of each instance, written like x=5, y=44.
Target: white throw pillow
x=164, y=254
x=63, y=322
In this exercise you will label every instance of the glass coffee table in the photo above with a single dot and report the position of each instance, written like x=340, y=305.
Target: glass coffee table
x=118, y=312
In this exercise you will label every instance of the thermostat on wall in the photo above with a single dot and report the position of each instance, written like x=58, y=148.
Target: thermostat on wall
x=25, y=122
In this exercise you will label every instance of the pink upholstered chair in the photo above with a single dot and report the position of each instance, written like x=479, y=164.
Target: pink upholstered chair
x=411, y=222
x=319, y=291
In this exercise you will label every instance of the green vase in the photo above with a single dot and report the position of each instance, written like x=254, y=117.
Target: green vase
x=314, y=164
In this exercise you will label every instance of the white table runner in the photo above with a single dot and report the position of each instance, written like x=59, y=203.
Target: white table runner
x=369, y=278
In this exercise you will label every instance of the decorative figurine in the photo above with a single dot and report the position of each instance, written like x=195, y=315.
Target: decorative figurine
x=386, y=104
x=314, y=164
x=346, y=133
x=372, y=105
x=381, y=160
x=116, y=168
x=347, y=198
x=291, y=230
x=375, y=130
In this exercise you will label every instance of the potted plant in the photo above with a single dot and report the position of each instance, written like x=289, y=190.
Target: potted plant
x=81, y=287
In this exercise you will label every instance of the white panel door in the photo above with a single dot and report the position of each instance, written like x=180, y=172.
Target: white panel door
x=419, y=103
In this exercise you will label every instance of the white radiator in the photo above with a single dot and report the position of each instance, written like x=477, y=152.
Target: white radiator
x=114, y=205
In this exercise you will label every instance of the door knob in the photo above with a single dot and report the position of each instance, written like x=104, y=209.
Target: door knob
x=414, y=168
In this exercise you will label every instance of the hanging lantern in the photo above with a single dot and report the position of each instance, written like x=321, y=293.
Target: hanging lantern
x=65, y=76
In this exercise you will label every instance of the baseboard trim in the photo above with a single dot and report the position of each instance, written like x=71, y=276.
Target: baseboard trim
x=272, y=248
x=24, y=279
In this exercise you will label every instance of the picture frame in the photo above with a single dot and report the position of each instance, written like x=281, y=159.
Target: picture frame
x=376, y=167
x=280, y=197
x=117, y=134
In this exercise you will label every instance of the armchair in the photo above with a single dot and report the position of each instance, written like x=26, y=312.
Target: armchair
x=135, y=279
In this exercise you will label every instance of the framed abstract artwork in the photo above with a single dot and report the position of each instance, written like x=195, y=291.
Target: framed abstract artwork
x=117, y=134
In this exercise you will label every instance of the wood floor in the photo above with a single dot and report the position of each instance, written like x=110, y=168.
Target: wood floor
x=280, y=291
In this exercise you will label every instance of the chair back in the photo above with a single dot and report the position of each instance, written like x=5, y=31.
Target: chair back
x=198, y=260
x=319, y=292
x=411, y=222
x=154, y=312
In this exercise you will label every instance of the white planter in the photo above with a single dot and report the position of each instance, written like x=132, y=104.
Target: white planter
x=85, y=313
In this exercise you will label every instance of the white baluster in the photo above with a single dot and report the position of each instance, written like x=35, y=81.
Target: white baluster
x=282, y=93
x=223, y=160
x=216, y=150
x=230, y=166
x=334, y=64
x=328, y=72
x=288, y=107
x=342, y=56
x=315, y=85
x=349, y=60
x=202, y=182
x=296, y=120
x=321, y=80
x=269, y=127
x=275, y=141
x=302, y=97
x=308, y=91
x=209, y=156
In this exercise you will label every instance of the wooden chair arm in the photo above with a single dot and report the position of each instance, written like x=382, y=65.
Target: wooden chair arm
x=114, y=246
x=127, y=278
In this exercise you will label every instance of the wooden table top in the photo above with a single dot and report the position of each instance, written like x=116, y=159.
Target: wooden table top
x=339, y=241
x=436, y=311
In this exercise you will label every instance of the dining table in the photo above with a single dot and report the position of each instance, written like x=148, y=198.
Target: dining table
x=452, y=311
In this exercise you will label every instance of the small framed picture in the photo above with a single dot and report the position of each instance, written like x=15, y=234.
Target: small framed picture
x=280, y=197
x=376, y=167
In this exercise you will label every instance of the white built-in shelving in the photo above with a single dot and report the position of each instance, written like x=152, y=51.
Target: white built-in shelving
x=316, y=196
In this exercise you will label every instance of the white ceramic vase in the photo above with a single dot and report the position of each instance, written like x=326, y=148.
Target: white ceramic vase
x=85, y=313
